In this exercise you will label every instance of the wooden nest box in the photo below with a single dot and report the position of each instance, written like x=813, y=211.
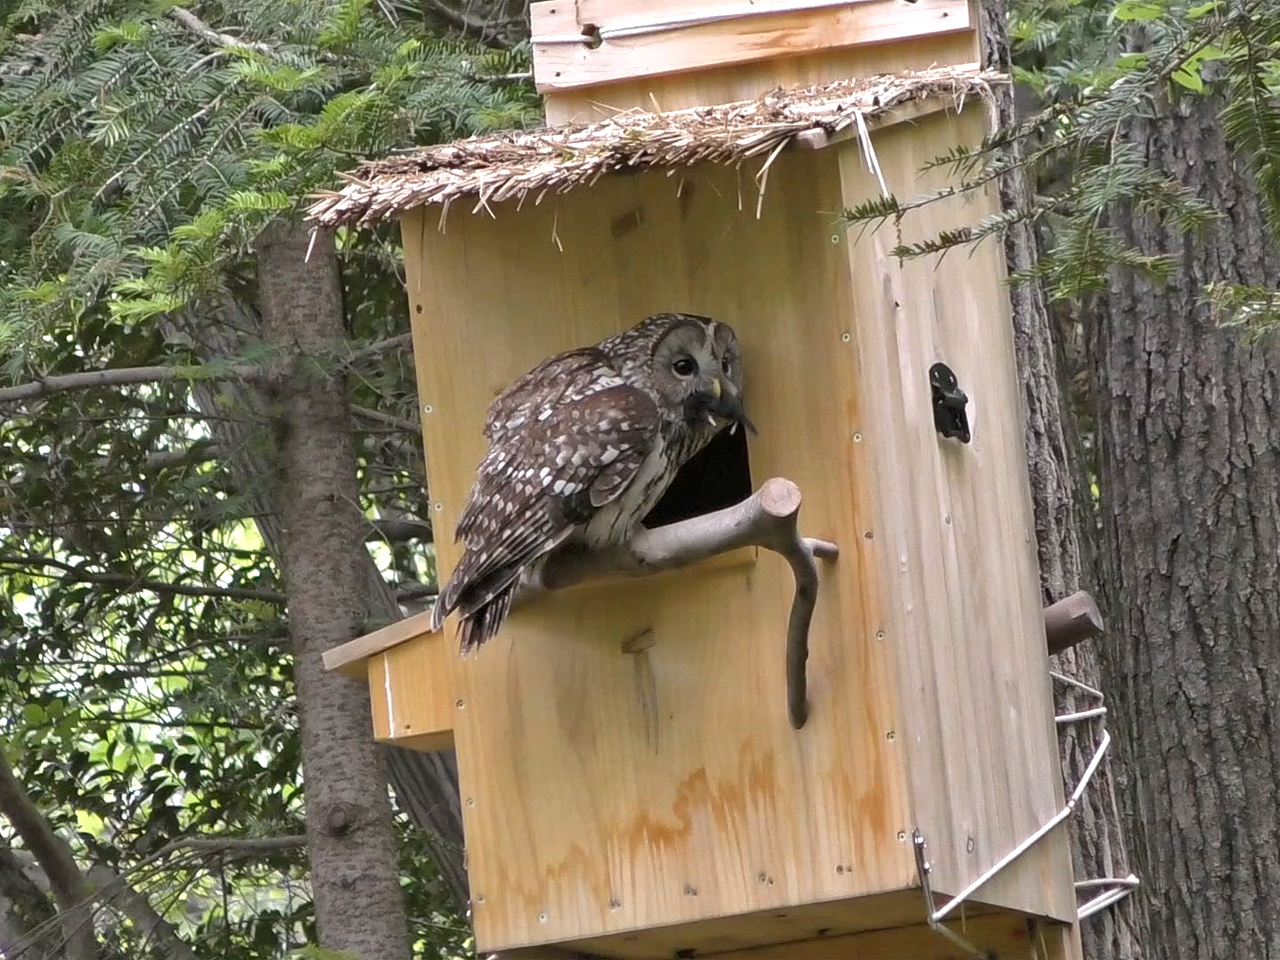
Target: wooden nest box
x=631, y=783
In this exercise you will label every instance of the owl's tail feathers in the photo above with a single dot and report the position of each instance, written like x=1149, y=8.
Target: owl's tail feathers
x=483, y=622
x=482, y=605
x=484, y=584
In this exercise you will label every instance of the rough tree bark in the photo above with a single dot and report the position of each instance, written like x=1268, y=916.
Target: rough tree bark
x=425, y=784
x=1189, y=468
x=54, y=855
x=350, y=840
x=1097, y=840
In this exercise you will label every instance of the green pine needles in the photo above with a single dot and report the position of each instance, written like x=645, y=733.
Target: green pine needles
x=1092, y=68
x=143, y=144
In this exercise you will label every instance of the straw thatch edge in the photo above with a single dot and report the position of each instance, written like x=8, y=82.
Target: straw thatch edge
x=514, y=164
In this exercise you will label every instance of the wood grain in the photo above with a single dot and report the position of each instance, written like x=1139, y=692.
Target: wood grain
x=955, y=527
x=565, y=66
x=414, y=693
x=629, y=807
x=350, y=657
x=738, y=74
x=1003, y=935
x=579, y=829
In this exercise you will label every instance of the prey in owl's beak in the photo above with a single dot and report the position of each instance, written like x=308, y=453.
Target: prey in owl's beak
x=718, y=401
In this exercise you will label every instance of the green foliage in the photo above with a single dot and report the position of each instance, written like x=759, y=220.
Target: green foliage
x=1093, y=67
x=140, y=159
x=142, y=630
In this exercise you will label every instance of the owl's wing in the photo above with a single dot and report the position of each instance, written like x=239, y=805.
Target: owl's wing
x=574, y=451
x=552, y=381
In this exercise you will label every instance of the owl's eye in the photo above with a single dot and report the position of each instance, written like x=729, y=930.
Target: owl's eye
x=726, y=365
x=685, y=367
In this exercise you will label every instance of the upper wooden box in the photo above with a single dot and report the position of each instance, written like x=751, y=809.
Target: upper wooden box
x=648, y=797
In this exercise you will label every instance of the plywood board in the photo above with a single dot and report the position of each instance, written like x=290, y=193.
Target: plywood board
x=582, y=820
x=730, y=82
x=797, y=932
x=1003, y=935
x=956, y=531
x=414, y=694
x=689, y=45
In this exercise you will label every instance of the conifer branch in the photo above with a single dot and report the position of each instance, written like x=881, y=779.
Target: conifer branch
x=207, y=33
x=72, y=574
x=120, y=377
x=386, y=419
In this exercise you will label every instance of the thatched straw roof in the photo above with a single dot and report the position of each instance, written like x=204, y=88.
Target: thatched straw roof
x=514, y=164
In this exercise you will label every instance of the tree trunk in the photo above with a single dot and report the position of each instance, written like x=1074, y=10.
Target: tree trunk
x=350, y=840
x=425, y=784
x=1097, y=842
x=1189, y=472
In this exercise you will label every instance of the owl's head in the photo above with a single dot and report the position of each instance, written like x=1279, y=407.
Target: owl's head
x=695, y=367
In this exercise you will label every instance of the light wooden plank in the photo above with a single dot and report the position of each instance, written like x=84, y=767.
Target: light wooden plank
x=565, y=66
x=883, y=926
x=726, y=83
x=1003, y=935
x=414, y=693
x=350, y=657
x=957, y=532
x=580, y=827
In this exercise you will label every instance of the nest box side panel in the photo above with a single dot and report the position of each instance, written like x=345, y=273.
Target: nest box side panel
x=625, y=756
x=959, y=553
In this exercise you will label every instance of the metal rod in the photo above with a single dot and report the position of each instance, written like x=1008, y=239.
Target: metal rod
x=922, y=870
x=1026, y=844
x=1092, y=691
x=1082, y=715
x=1129, y=881
x=1104, y=900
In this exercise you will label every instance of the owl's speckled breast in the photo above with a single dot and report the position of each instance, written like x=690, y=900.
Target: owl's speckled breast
x=613, y=523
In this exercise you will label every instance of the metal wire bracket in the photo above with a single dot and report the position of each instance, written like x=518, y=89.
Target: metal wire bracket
x=1115, y=888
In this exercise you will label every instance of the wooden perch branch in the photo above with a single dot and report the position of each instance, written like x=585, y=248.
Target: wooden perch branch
x=766, y=519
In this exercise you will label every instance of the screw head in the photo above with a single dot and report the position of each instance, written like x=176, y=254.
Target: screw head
x=891, y=735
x=460, y=704
x=846, y=337
x=437, y=506
x=880, y=634
x=857, y=438
x=542, y=918
x=902, y=836
x=428, y=408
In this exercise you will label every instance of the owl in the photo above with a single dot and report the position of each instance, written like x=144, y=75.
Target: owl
x=581, y=448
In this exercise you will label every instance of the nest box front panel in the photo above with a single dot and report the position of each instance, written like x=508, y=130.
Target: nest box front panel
x=625, y=756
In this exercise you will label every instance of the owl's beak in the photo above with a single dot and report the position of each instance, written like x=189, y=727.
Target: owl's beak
x=729, y=406
x=716, y=389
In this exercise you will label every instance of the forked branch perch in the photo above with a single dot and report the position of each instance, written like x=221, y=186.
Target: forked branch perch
x=766, y=519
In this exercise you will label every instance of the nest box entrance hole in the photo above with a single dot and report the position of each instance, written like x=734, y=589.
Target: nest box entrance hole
x=717, y=477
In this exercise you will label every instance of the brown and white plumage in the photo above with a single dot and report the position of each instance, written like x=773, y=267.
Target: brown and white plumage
x=582, y=447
